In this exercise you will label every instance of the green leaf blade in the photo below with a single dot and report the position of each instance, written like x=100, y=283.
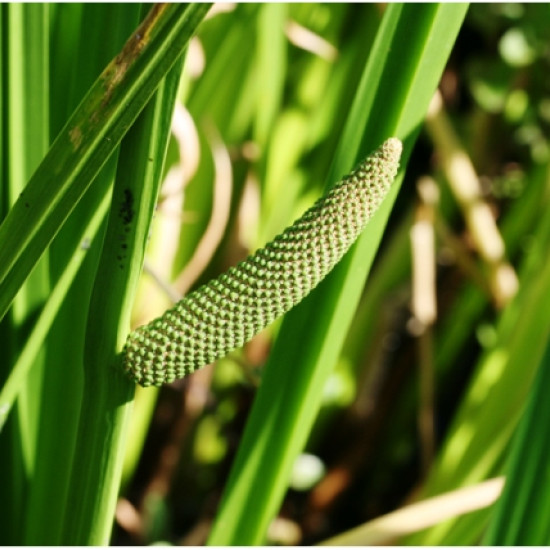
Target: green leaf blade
x=311, y=336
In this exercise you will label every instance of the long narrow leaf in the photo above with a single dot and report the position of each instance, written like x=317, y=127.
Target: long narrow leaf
x=521, y=515
x=89, y=138
x=78, y=58
x=25, y=130
x=404, y=68
x=108, y=394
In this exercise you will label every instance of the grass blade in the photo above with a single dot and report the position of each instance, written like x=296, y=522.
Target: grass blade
x=89, y=138
x=108, y=395
x=21, y=370
x=521, y=515
x=77, y=60
x=25, y=132
x=403, y=70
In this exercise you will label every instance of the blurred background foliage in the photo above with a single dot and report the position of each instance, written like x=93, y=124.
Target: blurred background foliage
x=275, y=90
x=417, y=405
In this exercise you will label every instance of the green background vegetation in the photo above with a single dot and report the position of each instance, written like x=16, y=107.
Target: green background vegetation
x=137, y=163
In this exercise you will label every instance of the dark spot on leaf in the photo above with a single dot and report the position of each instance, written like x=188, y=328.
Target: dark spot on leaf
x=127, y=208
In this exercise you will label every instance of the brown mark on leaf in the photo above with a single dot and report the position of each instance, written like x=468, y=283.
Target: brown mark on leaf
x=75, y=135
x=115, y=72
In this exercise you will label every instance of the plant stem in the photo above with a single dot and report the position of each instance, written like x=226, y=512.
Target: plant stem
x=108, y=394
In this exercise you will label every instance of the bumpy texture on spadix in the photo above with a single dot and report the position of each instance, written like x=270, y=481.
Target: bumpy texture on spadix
x=228, y=311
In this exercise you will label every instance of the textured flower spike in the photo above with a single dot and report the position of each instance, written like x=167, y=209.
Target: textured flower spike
x=228, y=311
